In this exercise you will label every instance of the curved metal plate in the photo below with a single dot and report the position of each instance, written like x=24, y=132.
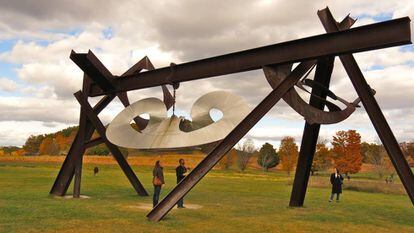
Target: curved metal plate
x=164, y=132
x=275, y=75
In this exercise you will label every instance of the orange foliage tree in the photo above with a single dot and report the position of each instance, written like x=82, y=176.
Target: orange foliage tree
x=49, y=147
x=347, y=151
x=288, y=153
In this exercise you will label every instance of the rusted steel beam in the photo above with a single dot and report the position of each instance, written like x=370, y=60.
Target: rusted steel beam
x=144, y=63
x=66, y=172
x=374, y=111
x=227, y=143
x=323, y=74
x=95, y=70
x=116, y=153
x=94, y=142
x=393, y=32
x=310, y=135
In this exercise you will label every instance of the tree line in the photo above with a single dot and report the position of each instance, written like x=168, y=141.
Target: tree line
x=346, y=152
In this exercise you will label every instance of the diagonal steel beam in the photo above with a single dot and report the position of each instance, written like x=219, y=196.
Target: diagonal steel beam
x=374, y=111
x=395, y=32
x=116, y=153
x=227, y=143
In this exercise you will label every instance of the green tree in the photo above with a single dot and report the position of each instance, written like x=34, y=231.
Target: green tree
x=98, y=150
x=32, y=144
x=267, y=157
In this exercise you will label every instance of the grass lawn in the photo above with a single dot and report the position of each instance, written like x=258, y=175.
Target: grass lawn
x=231, y=202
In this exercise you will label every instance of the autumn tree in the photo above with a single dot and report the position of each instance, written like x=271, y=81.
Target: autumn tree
x=267, y=157
x=49, y=147
x=322, y=158
x=408, y=149
x=32, y=144
x=347, y=151
x=244, y=152
x=228, y=159
x=288, y=152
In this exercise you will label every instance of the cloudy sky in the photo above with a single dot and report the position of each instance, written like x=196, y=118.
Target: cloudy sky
x=37, y=78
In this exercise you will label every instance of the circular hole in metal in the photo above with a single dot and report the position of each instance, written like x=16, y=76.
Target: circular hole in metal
x=216, y=114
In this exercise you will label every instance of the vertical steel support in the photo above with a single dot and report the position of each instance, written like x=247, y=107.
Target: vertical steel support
x=100, y=128
x=310, y=134
x=374, y=111
x=228, y=142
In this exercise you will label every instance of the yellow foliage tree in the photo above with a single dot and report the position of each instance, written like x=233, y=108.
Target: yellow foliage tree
x=288, y=153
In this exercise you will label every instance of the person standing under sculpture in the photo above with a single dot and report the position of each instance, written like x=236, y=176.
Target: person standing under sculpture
x=181, y=171
x=336, y=181
x=157, y=181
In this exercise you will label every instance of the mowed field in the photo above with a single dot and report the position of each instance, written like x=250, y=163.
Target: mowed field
x=226, y=200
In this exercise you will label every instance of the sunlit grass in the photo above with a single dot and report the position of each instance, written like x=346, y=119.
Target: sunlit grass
x=231, y=201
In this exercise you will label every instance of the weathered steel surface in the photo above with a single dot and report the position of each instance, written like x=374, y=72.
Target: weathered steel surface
x=393, y=32
x=116, y=153
x=310, y=134
x=164, y=132
x=66, y=172
x=312, y=115
x=94, y=68
x=374, y=111
x=228, y=142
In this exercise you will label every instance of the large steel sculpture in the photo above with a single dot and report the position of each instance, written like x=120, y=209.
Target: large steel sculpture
x=276, y=61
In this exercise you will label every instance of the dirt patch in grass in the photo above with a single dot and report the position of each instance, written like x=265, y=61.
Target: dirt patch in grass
x=148, y=206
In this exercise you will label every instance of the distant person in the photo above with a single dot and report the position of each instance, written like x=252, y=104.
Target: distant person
x=95, y=171
x=157, y=181
x=181, y=171
x=336, y=181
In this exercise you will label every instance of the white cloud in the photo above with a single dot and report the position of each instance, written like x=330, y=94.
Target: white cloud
x=179, y=31
x=7, y=85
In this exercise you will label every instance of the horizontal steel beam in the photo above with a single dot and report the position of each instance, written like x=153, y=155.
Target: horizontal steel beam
x=94, y=69
x=374, y=36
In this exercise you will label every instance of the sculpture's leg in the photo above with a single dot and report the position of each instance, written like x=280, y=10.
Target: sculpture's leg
x=78, y=176
x=373, y=110
x=78, y=162
x=100, y=128
x=76, y=150
x=228, y=142
x=310, y=134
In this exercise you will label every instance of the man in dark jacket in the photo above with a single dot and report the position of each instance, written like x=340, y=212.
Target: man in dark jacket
x=180, y=171
x=336, y=181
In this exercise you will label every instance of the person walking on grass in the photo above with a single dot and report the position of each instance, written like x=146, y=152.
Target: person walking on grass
x=157, y=181
x=336, y=181
x=181, y=171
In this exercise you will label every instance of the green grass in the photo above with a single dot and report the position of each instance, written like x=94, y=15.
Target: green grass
x=232, y=202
